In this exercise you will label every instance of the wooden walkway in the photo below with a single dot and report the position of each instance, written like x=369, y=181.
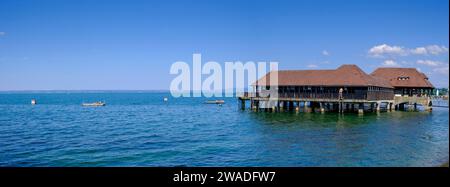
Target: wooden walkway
x=333, y=104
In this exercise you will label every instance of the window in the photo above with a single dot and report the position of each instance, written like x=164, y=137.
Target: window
x=403, y=78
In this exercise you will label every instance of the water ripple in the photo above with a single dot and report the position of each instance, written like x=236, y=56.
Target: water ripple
x=139, y=129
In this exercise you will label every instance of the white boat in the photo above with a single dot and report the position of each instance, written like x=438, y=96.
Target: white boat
x=215, y=102
x=94, y=104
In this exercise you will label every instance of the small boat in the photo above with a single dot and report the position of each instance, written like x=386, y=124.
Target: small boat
x=215, y=102
x=33, y=101
x=94, y=104
x=166, y=99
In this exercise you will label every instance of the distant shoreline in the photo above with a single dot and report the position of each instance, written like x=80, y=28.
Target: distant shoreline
x=99, y=91
x=79, y=91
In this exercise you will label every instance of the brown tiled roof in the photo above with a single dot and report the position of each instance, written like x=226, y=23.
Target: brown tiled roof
x=345, y=75
x=416, y=78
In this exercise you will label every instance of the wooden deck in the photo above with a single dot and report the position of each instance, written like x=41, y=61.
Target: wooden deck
x=360, y=102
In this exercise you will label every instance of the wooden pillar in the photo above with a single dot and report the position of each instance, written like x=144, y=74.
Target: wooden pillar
x=306, y=107
x=335, y=107
x=341, y=107
x=322, y=109
x=278, y=106
x=291, y=105
x=361, y=108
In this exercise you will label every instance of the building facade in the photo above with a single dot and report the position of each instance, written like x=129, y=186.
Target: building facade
x=406, y=81
x=346, y=88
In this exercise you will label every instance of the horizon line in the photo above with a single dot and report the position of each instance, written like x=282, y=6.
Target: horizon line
x=91, y=90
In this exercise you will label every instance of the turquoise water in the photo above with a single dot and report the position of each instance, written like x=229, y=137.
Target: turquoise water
x=140, y=129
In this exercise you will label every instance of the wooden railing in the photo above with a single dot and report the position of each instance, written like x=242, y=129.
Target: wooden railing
x=382, y=95
x=359, y=96
x=322, y=95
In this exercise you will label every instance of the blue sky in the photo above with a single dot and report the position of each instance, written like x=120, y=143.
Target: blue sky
x=66, y=45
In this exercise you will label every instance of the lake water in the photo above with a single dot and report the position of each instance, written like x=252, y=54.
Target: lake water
x=140, y=129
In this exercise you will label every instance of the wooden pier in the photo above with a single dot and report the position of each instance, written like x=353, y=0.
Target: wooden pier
x=346, y=89
x=321, y=105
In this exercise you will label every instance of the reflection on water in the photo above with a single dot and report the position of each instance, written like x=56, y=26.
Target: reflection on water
x=440, y=102
x=313, y=120
x=373, y=139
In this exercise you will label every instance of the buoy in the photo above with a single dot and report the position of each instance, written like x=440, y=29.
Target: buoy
x=33, y=101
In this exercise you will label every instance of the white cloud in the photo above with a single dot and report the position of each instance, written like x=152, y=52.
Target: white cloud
x=312, y=66
x=2, y=33
x=436, y=50
x=325, y=53
x=441, y=70
x=390, y=63
x=406, y=62
x=419, y=51
x=384, y=50
x=429, y=63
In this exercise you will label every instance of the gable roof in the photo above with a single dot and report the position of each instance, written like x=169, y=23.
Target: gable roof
x=345, y=75
x=415, y=78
